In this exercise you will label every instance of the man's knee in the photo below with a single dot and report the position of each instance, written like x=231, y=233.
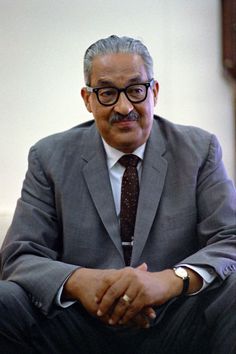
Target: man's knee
x=14, y=303
x=220, y=316
x=15, y=321
x=10, y=292
x=227, y=290
x=16, y=306
x=222, y=301
x=231, y=280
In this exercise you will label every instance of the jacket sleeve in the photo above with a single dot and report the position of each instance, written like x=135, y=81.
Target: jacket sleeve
x=216, y=227
x=31, y=250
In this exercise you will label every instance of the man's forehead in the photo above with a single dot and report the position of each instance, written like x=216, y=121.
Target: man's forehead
x=124, y=66
x=131, y=80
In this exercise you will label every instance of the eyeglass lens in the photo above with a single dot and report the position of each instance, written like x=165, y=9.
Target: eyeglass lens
x=109, y=95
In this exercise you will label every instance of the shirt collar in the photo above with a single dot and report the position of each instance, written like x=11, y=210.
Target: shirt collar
x=113, y=155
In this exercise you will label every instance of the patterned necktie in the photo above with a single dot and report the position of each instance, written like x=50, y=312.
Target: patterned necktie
x=129, y=203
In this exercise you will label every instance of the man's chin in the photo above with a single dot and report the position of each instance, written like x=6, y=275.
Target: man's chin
x=127, y=144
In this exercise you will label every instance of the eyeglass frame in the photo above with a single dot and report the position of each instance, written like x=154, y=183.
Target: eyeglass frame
x=119, y=90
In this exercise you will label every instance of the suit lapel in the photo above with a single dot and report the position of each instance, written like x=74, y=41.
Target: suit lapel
x=98, y=182
x=152, y=182
x=151, y=187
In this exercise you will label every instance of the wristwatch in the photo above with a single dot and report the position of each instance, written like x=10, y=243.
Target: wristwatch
x=183, y=274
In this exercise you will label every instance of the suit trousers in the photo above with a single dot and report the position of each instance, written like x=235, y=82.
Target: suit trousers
x=201, y=324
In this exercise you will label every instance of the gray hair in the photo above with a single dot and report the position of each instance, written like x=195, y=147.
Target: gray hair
x=115, y=44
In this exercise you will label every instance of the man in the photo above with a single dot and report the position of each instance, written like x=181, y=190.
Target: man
x=73, y=284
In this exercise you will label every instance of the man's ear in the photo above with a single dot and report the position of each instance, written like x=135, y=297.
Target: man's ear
x=155, y=92
x=86, y=95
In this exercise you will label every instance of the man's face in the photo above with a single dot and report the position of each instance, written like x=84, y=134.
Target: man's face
x=133, y=126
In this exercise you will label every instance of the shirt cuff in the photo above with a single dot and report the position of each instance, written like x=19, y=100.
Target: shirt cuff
x=208, y=275
x=61, y=303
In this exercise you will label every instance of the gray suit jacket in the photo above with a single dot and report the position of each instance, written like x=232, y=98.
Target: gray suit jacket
x=66, y=216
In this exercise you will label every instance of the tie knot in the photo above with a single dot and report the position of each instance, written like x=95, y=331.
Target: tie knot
x=129, y=160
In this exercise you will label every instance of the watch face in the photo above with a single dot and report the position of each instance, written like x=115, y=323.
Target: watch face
x=181, y=272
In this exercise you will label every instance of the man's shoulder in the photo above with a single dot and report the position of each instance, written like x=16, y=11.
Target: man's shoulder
x=67, y=136
x=185, y=140
x=169, y=128
x=73, y=141
x=183, y=135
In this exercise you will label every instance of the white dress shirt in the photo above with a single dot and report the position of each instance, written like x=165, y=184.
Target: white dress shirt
x=116, y=170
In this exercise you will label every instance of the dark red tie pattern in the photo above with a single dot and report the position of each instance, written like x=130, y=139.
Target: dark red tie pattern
x=129, y=203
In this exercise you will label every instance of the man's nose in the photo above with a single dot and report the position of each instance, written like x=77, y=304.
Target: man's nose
x=123, y=105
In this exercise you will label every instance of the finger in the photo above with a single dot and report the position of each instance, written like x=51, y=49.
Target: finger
x=110, y=297
x=135, y=307
x=108, y=280
x=129, y=313
x=125, y=292
x=139, y=321
x=149, y=312
x=127, y=307
x=143, y=267
x=121, y=307
x=113, y=298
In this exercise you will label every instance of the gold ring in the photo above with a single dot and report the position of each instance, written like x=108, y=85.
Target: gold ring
x=126, y=298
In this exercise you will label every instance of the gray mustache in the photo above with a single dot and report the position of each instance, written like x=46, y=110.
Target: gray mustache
x=116, y=117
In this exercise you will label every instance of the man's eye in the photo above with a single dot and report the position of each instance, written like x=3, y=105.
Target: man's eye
x=107, y=92
x=136, y=90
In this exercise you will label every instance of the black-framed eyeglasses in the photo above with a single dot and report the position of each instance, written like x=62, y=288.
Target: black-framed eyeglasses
x=107, y=96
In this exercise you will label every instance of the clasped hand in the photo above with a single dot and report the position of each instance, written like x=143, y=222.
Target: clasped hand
x=101, y=292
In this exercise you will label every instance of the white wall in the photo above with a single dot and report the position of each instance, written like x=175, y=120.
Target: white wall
x=42, y=43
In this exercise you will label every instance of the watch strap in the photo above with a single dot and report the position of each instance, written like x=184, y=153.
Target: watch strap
x=185, y=286
x=185, y=280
